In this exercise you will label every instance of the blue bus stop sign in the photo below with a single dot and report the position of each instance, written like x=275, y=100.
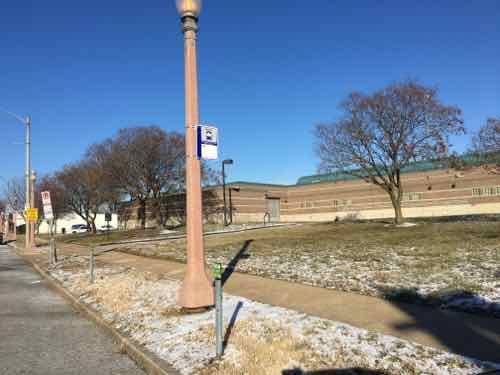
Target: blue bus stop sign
x=208, y=142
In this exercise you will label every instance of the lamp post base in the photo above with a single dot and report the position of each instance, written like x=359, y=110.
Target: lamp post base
x=196, y=291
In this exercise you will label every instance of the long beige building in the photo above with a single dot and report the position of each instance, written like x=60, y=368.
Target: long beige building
x=430, y=189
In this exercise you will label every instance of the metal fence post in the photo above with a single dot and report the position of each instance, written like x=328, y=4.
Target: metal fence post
x=218, y=309
x=55, y=250
x=92, y=264
x=51, y=251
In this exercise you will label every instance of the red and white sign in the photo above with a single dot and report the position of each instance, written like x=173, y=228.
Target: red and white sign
x=47, y=205
x=46, y=198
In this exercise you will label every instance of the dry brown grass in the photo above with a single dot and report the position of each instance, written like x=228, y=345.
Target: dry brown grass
x=265, y=350
x=117, y=295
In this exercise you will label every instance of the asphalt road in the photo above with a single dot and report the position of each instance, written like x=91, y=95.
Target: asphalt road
x=41, y=334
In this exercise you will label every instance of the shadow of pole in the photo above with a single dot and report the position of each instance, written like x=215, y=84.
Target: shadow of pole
x=231, y=267
x=231, y=324
x=346, y=371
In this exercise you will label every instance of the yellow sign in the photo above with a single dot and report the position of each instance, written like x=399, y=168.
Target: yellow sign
x=32, y=214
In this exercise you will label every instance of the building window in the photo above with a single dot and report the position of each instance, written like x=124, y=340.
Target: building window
x=412, y=196
x=477, y=192
x=489, y=191
x=341, y=203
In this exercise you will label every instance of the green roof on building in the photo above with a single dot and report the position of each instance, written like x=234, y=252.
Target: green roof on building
x=420, y=166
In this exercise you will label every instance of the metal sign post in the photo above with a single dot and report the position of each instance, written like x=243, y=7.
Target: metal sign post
x=218, y=310
x=108, y=217
x=92, y=265
x=48, y=214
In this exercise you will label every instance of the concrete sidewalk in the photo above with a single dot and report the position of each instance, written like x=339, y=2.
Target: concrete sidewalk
x=42, y=334
x=461, y=333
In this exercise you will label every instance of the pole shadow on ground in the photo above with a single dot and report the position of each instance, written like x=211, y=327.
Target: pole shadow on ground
x=231, y=267
x=231, y=325
x=346, y=371
x=472, y=335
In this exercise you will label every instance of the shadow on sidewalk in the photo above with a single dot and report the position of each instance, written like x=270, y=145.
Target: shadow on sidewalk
x=231, y=267
x=346, y=371
x=462, y=333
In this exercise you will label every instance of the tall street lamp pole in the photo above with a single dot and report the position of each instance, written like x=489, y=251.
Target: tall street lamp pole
x=225, y=162
x=32, y=205
x=27, y=204
x=196, y=290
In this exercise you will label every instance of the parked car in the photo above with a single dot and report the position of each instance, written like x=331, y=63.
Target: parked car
x=79, y=228
x=106, y=228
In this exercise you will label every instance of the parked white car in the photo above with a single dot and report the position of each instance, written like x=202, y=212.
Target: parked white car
x=79, y=228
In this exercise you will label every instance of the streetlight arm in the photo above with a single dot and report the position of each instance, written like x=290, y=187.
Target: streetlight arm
x=18, y=118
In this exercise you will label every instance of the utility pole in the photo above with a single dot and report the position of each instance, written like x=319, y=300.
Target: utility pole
x=33, y=205
x=224, y=163
x=27, y=169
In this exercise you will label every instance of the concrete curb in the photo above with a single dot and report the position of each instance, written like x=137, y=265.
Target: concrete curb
x=145, y=359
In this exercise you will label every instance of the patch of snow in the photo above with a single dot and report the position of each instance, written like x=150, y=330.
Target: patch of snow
x=150, y=318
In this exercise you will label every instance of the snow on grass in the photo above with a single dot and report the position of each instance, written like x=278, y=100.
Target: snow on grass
x=467, y=281
x=263, y=339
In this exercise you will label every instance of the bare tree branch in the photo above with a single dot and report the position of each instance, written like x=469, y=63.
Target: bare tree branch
x=381, y=134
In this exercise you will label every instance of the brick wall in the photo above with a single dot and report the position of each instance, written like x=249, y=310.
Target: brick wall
x=434, y=193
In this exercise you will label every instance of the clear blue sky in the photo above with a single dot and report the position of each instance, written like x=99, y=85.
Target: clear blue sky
x=269, y=70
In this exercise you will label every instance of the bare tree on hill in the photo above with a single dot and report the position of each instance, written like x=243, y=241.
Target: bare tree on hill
x=380, y=134
x=486, y=143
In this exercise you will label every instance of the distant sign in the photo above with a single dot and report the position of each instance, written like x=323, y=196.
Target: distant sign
x=208, y=142
x=48, y=214
x=46, y=198
x=32, y=214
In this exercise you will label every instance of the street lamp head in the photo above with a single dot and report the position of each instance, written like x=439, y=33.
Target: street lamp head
x=189, y=8
x=228, y=161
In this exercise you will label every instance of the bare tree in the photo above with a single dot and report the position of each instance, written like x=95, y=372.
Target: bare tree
x=486, y=144
x=487, y=140
x=84, y=190
x=15, y=195
x=58, y=197
x=143, y=163
x=380, y=134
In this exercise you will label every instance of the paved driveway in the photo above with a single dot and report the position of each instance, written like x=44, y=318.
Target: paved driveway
x=41, y=334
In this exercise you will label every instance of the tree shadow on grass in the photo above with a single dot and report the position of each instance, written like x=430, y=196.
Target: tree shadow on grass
x=231, y=267
x=467, y=334
x=346, y=371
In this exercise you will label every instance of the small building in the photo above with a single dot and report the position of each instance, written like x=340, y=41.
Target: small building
x=64, y=223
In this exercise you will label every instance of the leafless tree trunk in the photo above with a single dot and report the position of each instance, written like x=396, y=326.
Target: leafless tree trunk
x=379, y=135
